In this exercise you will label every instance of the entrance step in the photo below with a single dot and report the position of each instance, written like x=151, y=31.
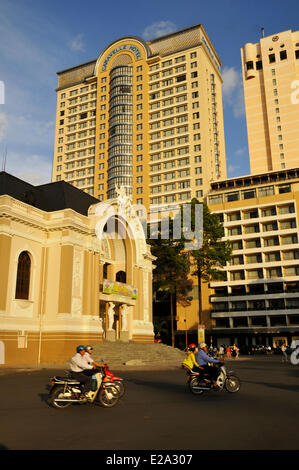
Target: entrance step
x=120, y=353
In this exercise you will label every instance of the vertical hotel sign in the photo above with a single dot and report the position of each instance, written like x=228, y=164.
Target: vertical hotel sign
x=211, y=53
x=124, y=47
x=201, y=333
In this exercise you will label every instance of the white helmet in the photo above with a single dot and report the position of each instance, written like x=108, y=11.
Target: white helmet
x=202, y=345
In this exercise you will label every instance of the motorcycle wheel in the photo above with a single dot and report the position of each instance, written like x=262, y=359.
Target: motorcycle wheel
x=106, y=400
x=193, y=387
x=232, y=384
x=58, y=393
x=119, y=384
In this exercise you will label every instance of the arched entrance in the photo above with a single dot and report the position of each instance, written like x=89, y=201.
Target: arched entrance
x=126, y=274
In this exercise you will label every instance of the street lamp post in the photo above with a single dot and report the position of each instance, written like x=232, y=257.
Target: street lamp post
x=185, y=320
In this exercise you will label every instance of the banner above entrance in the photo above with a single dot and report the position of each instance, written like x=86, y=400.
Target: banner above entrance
x=113, y=287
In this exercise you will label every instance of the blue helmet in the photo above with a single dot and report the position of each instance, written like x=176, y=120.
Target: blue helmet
x=80, y=348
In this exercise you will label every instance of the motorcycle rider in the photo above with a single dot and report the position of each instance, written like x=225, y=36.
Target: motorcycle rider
x=79, y=365
x=90, y=360
x=190, y=361
x=203, y=359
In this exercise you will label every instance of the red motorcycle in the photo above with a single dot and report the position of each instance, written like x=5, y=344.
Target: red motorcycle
x=118, y=382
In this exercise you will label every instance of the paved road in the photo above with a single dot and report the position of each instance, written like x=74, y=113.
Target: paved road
x=158, y=412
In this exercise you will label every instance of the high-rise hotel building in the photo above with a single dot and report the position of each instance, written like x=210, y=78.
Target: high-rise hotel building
x=146, y=116
x=270, y=72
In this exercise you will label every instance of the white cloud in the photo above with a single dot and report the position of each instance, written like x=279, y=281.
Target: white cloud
x=240, y=151
x=76, y=44
x=230, y=81
x=232, y=168
x=29, y=131
x=34, y=169
x=158, y=29
x=232, y=90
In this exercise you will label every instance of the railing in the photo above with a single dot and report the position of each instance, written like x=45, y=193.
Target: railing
x=257, y=309
x=245, y=294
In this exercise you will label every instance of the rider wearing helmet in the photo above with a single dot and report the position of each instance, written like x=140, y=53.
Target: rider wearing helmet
x=190, y=361
x=78, y=366
x=89, y=359
x=203, y=360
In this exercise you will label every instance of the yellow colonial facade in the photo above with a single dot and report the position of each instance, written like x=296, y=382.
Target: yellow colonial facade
x=270, y=78
x=69, y=278
x=146, y=115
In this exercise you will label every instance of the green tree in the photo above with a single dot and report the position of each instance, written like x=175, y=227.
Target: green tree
x=214, y=252
x=170, y=276
x=160, y=327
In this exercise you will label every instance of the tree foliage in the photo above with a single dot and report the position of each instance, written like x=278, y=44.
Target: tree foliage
x=174, y=264
x=214, y=252
x=172, y=267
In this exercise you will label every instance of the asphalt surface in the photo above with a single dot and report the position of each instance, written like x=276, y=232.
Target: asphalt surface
x=157, y=412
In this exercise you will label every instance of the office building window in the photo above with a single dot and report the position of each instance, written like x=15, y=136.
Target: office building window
x=23, y=276
x=249, y=194
x=286, y=188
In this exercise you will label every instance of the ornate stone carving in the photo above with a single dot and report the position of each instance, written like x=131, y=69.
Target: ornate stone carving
x=77, y=283
x=124, y=317
x=111, y=314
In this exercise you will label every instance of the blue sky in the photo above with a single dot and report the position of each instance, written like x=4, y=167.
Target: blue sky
x=41, y=37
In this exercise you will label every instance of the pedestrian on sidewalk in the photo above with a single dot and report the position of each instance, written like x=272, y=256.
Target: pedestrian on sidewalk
x=221, y=352
x=284, y=353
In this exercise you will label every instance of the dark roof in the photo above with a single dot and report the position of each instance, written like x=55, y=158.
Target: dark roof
x=47, y=197
x=76, y=67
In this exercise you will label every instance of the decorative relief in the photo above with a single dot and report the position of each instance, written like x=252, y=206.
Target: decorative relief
x=77, y=283
x=106, y=248
x=124, y=317
x=22, y=308
x=145, y=297
x=111, y=314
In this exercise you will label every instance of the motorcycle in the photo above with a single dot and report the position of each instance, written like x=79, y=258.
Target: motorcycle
x=117, y=381
x=66, y=390
x=199, y=382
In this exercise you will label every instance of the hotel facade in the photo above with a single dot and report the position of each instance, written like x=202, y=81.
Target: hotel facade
x=146, y=115
x=270, y=79
x=259, y=295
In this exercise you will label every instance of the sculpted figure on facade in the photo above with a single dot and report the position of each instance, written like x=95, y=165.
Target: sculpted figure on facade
x=111, y=314
x=124, y=318
x=124, y=201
